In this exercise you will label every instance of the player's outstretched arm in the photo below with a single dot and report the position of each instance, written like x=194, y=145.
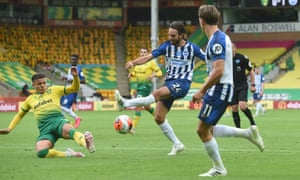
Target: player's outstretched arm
x=17, y=118
x=75, y=86
x=4, y=131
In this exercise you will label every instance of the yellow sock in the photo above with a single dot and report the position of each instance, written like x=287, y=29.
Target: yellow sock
x=136, y=119
x=55, y=153
x=78, y=137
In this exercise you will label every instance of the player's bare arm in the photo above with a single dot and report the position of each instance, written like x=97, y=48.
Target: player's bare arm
x=138, y=61
x=15, y=121
x=213, y=79
x=4, y=131
x=76, y=82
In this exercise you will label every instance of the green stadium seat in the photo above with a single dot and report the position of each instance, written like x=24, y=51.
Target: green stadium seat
x=16, y=74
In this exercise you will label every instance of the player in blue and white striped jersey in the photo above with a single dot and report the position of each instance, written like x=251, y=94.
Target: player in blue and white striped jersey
x=217, y=92
x=180, y=57
x=259, y=80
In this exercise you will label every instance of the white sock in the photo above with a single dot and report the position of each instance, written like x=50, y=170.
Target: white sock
x=168, y=131
x=211, y=147
x=140, y=101
x=228, y=131
x=261, y=108
x=69, y=111
x=258, y=108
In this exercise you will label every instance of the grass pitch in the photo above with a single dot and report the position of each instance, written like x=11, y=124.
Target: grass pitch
x=144, y=155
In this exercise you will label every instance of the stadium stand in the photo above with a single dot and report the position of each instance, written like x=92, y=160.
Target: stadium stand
x=265, y=52
x=31, y=44
x=139, y=36
x=16, y=74
x=290, y=79
x=102, y=78
x=200, y=73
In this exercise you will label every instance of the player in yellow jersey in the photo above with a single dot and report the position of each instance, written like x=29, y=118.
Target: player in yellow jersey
x=144, y=74
x=45, y=104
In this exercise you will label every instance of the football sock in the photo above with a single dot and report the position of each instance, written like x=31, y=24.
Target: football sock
x=236, y=119
x=248, y=113
x=258, y=108
x=261, y=108
x=139, y=101
x=78, y=137
x=55, y=153
x=228, y=131
x=136, y=118
x=168, y=131
x=211, y=147
x=151, y=111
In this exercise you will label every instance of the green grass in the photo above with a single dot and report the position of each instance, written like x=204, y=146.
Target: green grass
x=144, y=155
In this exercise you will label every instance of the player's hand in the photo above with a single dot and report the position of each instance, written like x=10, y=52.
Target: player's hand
x=4, y=131
x=253, y=89
x=129, y=65
x=74, y=71
x=197, y=97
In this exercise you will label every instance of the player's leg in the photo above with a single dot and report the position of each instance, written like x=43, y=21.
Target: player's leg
x=44, y=149
x=243, y=98
x=256, y=104
x=172, y=90
x=251, y=133
x=259, y=107
x=211, y=111
x=211, y=147
x=84, y=140
x=70, y=112
x=66, y=105
x=166, y=128
x=158, y=94
x=150, y=109
x=235, y=109
x=137, y=116
x=136, y=119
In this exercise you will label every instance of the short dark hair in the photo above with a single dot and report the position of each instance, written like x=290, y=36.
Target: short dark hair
x=178, y=26
x=37, y=76
x=75, y=56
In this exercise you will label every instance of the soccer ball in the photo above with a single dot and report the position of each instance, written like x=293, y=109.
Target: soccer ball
x=123, y=124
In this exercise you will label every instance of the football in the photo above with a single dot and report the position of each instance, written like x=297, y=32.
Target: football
x=123, y=124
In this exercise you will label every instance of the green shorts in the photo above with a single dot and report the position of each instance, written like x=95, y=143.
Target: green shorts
x=52, y=129
x=144, y=89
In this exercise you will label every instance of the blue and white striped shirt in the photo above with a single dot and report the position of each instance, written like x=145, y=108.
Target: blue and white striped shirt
x=220, y=47
x=259, y=79
x=180, y=61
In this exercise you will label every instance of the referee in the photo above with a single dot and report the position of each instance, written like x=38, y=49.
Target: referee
x=241, y=64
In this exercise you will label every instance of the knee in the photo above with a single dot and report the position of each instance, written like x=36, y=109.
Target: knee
x=201, y=134
x=204, y=134
x=42, y=153
x=159, y=119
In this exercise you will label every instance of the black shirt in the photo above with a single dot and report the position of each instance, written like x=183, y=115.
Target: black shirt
x=241, y=63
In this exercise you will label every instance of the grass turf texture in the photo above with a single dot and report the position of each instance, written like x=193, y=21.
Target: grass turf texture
x=144, y=155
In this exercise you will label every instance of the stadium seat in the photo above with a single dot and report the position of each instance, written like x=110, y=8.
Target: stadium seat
x=42, y=42
x=290, y=79
x=16, y=74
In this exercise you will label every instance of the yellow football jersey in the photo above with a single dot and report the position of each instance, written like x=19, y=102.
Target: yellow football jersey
x=45, y=105
x=144, y=71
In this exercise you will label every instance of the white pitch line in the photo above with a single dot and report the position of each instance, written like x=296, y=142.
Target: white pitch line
x=165, y=149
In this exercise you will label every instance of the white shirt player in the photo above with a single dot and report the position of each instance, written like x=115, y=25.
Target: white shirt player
x=217, y=49
x=179, y=60
x=70, y=77
x=259, y=80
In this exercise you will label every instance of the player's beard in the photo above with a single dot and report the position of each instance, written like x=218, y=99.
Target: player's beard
x=175, y=42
